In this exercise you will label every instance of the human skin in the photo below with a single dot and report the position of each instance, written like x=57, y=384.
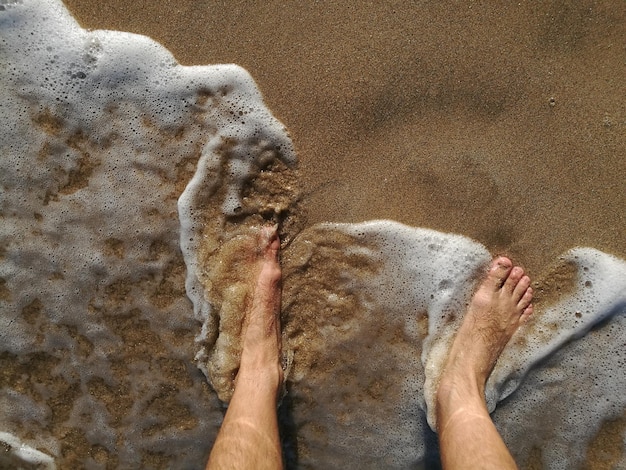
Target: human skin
x=468, y=438
x=249, y=435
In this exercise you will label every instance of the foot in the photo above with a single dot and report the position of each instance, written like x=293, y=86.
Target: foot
x=248, y=437
x=260, y=357
x=500, y=305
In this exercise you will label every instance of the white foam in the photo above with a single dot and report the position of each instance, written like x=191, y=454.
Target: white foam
x=599, y=293
x=428, y=270
x=20, y=455
x=94, y=252
x=97, y=128
x=576, y=390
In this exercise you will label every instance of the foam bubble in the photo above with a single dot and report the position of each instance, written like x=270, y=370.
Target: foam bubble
x=579, y=391
x=417, y=273
x=16, y=454
x=102, y=132
x=97, y=340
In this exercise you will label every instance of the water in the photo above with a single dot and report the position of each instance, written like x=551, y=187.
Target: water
x=102, y=132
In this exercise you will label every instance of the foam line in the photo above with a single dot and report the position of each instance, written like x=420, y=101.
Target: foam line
x=20, y=455
x=101, y=133
x=599, y=293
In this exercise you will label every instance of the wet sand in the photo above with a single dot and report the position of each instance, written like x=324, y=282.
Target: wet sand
x=503, y=124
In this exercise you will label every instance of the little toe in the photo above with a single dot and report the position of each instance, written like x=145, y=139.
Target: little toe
x=498, y=273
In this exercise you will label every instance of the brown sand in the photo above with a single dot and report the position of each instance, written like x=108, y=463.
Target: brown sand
x=506, y=124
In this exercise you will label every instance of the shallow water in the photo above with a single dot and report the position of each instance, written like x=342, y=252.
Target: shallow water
x=99, y=339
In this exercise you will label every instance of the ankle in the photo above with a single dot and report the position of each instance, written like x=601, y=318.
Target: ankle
x=455, y=406
x=459, y=389
x=266, y=381
x=262, y=368
x=463, y=372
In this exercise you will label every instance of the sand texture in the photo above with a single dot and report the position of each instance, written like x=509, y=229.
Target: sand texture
x=503, y=124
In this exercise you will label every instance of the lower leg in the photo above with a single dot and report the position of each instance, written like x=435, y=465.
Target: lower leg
x=467, y=435
x=249, y=435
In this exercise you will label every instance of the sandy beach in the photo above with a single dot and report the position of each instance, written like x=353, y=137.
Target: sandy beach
x=505, y=124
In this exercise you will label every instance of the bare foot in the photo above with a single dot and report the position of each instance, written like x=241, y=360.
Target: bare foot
x=249, y=437
x=500, y=305
x=261, y=354
x=468, y=438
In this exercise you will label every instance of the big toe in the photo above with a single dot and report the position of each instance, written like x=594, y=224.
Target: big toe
x=269, y=242
x=498, y=273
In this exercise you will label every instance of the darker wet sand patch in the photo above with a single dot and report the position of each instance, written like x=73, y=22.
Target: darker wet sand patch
x=604, y=451
x=554, y=284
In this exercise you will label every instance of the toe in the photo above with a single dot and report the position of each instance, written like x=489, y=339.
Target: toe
x=526, y=298
x=270, y=242
x=528, y=311
x=498, y=272
x=515, y=275
x=521, y=288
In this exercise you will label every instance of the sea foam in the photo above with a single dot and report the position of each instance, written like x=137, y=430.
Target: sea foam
x=369, y=313
x=16, y=454
x=102, y=132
